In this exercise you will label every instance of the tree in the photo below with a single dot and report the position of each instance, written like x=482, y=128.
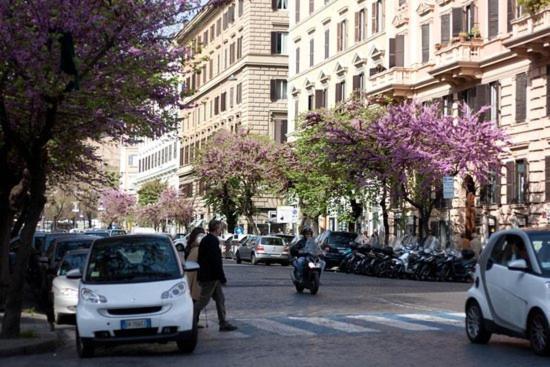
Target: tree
x=59, y=206
x=84, y=69
x=117, y=206
x=176, y=208
x=534, y=6
x=237, y=168
x=149, y=215
x=150, y=192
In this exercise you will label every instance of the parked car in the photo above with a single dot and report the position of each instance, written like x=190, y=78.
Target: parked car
x=133, y=290
x=65, y=290
x=143, y=230
x=264, y=249
x=511, y=294
x=335, y=244
x=105, y=232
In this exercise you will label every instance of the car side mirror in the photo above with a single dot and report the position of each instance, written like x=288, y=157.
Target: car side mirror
x=44, y=260
x=191, y=266
x=74, y=274
x=518, y=265
x=180, y=247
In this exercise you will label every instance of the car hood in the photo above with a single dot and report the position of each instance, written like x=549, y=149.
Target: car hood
x=64, y=282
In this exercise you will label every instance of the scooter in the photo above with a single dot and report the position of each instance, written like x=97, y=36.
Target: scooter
x=310, y=276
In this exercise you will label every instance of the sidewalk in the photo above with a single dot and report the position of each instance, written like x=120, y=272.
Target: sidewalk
x=37, y=337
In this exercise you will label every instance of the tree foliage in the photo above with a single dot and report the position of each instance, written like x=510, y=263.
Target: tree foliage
x=117, y=206
x=150, y=192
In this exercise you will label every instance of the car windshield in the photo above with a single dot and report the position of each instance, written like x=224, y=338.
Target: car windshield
x=71, y=262
x=541, y=245
x=118, y=232
x=270, y=241
x=341, y=238
x=98, y=233
x=65, y=246
x=132, y=260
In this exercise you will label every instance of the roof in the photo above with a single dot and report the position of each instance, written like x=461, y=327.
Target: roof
x=77, y=238
x=133, y=237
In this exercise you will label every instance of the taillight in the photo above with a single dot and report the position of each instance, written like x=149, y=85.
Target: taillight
x=259, y=248
x=285, y=248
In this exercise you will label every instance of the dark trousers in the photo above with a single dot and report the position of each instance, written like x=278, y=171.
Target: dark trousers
x=211, y=289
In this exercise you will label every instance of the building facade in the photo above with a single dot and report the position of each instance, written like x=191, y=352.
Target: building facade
x=158, y=159
x=486, y=52
x=128, y=168
x=235, y=78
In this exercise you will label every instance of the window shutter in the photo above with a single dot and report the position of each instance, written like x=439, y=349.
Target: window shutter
x=339, y=37
x=547, y=90
x=521, y=97
x=273, y=4
x=273, y=42
x=391, y=53
x=458, y=21
x=319, y=98
x=327, y=43
x=445, y=28
x=374, y=18
x=338, y=93
x=483, y=191
x=277, y=132
x=400, y=50
x=493, y=18
x=482, y=99
x=425, y=42
x=510, y=14
x=511, y=183
x=356, y=82
x=473, y=12
x=498, y=178
x=273, y=90
x=297, y=14
x=526, y=183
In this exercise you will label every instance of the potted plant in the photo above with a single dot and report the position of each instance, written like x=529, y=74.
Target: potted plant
x=475, y=33
x=437, y=46
x=463, y=36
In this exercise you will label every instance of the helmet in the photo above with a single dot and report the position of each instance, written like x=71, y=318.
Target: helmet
x=307, y=231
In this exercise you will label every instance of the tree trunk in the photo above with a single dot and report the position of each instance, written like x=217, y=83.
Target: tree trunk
x=89, y=216
x=385, y=216
x=37, y=200
x=356, y=211
x=423, y=223
x=6, y=218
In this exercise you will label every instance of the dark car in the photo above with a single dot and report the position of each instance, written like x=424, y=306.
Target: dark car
x=105, y=232
x=335, y=244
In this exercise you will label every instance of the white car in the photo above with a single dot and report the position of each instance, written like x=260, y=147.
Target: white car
x=65, y=290
x=511, y=291
x=133, y=290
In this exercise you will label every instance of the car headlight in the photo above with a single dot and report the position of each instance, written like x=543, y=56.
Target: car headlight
x=68, y=292
x=547, y=285
x=176, y=291
x=312, y=265
x=90, y=296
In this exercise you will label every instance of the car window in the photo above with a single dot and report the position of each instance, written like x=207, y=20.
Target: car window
x=541, y=245
x=72, y=262
x=135, y=260
x=63, y=247
x=269, y=241
x=341, y=238
x=510, y=247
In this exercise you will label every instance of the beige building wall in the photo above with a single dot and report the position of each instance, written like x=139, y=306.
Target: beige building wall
x=239, y=65
x=501, y=60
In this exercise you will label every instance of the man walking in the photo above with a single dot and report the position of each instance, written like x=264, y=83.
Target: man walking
x=211, y=276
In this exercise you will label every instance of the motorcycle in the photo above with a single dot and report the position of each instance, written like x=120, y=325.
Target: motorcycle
x=311, y=274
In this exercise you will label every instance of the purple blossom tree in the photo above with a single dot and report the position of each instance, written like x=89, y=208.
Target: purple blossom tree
x=176, y=208
x=117, y=205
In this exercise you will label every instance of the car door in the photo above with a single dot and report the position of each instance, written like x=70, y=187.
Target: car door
x=244, y=251
x=504, y=285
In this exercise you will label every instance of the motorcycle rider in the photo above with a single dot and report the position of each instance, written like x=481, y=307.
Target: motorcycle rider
x=295, y=250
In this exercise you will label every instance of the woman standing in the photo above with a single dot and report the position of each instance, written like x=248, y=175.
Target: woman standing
x=192, y=254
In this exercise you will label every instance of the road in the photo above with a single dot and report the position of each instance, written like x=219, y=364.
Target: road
x=352, y=321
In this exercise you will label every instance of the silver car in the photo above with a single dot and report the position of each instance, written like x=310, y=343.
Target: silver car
x=65, y=290
x=264, y=249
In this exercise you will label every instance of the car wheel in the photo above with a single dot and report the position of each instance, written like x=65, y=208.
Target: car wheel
x=267, y=263
x=253, y=260
x=84, y=348
x=238, y=258
x=475, y=325
x=187, y=345
x=539, y=334
x=299, y=288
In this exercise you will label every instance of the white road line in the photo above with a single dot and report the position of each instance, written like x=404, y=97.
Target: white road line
x=337, y=325
x=456, y=314
x=277, y=327
x=393, y=322
x=430, y=318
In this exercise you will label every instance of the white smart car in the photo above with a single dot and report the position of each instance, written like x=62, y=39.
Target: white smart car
x=65, y=290
x=511, y=291
x=133, y=290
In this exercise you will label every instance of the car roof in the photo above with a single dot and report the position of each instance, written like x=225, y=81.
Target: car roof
x=270, y=236
x=78, y=237
x=132, y=237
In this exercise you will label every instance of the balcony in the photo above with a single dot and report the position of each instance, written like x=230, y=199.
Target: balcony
x=396, y=82
x=458, y=63
x=531, y=35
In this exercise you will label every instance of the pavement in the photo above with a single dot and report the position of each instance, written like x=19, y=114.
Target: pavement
x=37, y=337
x=352, y=321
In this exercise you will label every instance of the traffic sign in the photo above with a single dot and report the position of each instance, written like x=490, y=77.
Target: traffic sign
x=448, y=187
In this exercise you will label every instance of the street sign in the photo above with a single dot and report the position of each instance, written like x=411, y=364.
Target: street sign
x=272, y=216
x=448, y=187
x=287, y=214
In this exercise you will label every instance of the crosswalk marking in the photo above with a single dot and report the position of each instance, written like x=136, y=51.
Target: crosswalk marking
x=431, y=318
x=277, y=327
x=460, y=315
x=337, y=325
x=394, y=323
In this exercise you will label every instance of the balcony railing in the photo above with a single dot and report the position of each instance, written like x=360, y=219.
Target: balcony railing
x=396, y=81
x=467, y=50
x=530, y=24
x=458, y=63
x=531, y=35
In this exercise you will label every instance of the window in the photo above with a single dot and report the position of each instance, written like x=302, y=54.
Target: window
x=279, y=42
x=360, y=25
x=340, y=91
x=231, y=14
x=327, y=43
x=547, y=90
x=310, y=105
x=203, y=72
x=232, y=53
x=216, y=105
x=425, y=42
x=278, y=89
x=341, y=36
x=297, y=67
x=445, y=29
x=320, y=98
x=131, y=159
x=212, y=31
x=231, y=96
x=521, y=97
x=239, y=48
x=239, y=96
x=311, y=52
x=280, y=130
x=280, y=4
x=490, y=192
x=241, y=7
x=218, y=27
x=225, y=59
x=296, y=108
x=205, y=38
x=225, y=21
x=397, y=51
x=359, y=82
x=521, y=179
x=311, y=6
x=218, y=64
x=297, y=11
x=516, y=182
x=495, y=101
x=210, y=69
x=223, y=101
x=492, y=14
x=447, y=104
x=378, y=16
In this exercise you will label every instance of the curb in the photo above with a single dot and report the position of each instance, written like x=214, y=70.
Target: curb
x=46, y=345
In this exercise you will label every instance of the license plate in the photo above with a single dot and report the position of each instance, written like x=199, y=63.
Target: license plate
x=135, y=324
